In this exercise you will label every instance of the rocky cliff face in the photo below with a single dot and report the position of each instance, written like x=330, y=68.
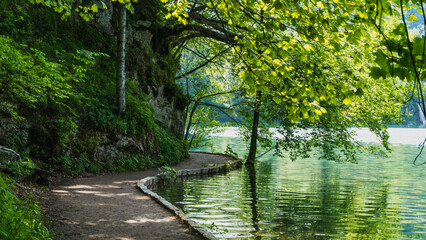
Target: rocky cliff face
x=151, y=64
x=39, y=138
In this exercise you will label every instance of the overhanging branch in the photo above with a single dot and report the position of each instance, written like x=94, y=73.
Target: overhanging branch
x=201, y=31
x=222, y=109
x=202, y=65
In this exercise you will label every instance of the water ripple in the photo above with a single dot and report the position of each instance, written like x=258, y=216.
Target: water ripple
x=311, y=199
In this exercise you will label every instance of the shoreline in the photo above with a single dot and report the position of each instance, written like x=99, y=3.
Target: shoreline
x=145, y=185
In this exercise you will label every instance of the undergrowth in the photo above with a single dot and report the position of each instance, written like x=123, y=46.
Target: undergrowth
x=19, y=219
x=58, y=77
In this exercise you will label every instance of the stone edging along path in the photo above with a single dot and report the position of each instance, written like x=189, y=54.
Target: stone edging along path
x=145, y=184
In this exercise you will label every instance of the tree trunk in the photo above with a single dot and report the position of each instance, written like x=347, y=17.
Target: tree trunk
x=188, y=128
x=253, y=141
x=121, y=60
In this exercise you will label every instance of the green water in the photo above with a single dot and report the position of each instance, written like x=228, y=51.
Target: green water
x=379, y=198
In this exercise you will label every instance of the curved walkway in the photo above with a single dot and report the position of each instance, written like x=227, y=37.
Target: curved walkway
x=111, y=207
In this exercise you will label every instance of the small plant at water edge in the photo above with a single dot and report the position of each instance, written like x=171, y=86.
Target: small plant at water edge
x=215, y=229
x=169, y=172
x=230, y=152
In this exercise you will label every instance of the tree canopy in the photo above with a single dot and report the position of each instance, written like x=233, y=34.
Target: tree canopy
x=274, y=39
x=307, y=57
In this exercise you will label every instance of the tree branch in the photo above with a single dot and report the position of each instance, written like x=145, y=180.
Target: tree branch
x=222, y=109
x=201, y=31
x=216, y=24
x=419, y=89
x=202, y=65
x=218, y=93
x=8, y=150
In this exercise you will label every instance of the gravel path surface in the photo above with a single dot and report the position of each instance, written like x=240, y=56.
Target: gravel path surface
x=110, y=206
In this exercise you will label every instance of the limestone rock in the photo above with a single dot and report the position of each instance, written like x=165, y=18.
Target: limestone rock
x=144, y=24
x=102, y=19
x=128, y=144
x=106, y=152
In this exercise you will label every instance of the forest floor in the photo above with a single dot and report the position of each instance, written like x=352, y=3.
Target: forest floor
x=111, y=207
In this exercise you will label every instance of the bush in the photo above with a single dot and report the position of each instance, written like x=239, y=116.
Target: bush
x=171, y=149
x=139, y=116
x=29, y=78
x=19, y=219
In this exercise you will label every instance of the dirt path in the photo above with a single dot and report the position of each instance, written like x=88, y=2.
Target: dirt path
x=110, y=207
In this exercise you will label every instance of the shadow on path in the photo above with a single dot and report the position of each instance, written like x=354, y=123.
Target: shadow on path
x=110, y=206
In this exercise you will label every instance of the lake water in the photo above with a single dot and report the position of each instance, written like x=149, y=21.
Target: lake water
x=378, y=198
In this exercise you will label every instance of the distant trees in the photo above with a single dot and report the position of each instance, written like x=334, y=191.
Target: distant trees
x=206, y=76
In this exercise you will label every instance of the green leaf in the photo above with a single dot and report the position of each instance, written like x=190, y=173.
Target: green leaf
x=308, y=47
x=94, y=8
x=363, y=14
x=277, y=100
x=359, y=92
x=278, y=5
x=318, y=112
x=347, y=101
x=268, y=51
x=412, y=18
x=104, y=6
x=400, y=72
x=377, y=73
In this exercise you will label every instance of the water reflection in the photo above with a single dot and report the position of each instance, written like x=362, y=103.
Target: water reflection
x=253, y=198
x=379, y=198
